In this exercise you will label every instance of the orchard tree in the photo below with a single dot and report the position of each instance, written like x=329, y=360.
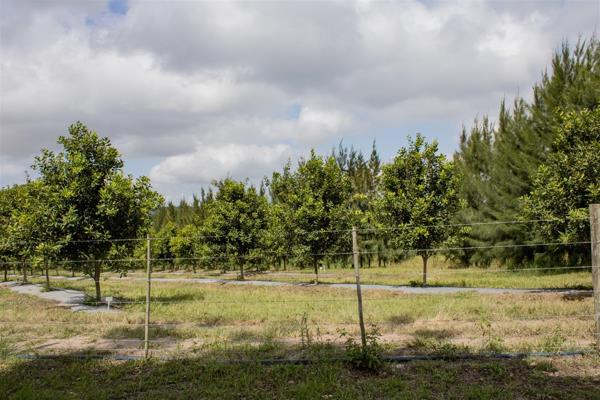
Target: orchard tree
x=16, y=245
x=419, y=193
x=184, y=245
x=102, y=203
x=42, y=219
x=567, y=183
x=318, y=197
x=281, y=234
x=236, y=222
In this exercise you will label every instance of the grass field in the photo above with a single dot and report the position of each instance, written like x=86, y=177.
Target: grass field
x=575, y=378
x=409, y=272
x=282, y=321
x=201, y=333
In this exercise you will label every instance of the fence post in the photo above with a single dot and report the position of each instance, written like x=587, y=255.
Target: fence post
x=361, y=320
x=595, y=243
x=148, y=273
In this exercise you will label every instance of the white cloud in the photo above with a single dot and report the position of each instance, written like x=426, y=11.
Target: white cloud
x=262, y=78
x=208, y=162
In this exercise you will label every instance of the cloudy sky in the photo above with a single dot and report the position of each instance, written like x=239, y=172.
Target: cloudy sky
x=190, y=91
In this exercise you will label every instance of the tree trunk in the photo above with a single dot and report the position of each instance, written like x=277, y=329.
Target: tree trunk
x=24, y=273
x=47, y=275
x=241, y=271
x=425, y=257
x=97, y=282
x=316, y=267
x=5, y=272
x=285, y=261
x=194, y=266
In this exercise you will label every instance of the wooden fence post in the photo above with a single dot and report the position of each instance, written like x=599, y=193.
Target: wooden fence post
x=595, y=244
x=361, y=320
x=149, y=274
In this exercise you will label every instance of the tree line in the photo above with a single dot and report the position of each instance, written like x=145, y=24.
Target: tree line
x=538, y=161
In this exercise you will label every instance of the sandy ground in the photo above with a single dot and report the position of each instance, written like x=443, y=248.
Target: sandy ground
x=391, y=288
x=72, y=299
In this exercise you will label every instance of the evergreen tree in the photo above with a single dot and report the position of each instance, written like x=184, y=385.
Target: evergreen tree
x=566, y=184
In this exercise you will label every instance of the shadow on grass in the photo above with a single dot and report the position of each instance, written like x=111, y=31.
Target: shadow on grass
x=439, y=334
x=210, y=377
x=137, y=332
x=401, y=319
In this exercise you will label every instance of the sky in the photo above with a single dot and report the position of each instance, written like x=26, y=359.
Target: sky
x=192, y=91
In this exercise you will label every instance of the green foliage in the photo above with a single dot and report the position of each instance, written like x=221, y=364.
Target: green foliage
x=89, y=200
x=314, y=202
x=235, y=224
x=497, y=163
x=186, y=245
x=368, y=357
x=419, y=194
x=567, y=183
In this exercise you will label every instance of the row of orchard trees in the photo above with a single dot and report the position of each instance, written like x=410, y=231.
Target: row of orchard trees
x=303, y=215
x=539, y=162
x=85, y=213
x=80, y=202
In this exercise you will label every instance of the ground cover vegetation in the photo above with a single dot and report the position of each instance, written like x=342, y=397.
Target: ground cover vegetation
x=290, y=322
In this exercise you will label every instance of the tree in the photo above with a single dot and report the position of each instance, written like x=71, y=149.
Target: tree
x=317, y=198
x=522, y=140
x=281, y=234
x=473, y=164
x=16, y=245
x=419, y=193
x=236, y=222
x=102, y=203
x=566, y=184
x=184, y=245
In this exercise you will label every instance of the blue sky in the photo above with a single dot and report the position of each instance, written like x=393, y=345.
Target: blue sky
x=194, y=91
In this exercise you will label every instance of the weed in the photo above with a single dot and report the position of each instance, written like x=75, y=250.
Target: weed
x=305, y=335
x=554, y=342
x=491, y=342
x=368, y=357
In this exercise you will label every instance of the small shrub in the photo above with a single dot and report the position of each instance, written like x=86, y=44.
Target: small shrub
x=365, y=358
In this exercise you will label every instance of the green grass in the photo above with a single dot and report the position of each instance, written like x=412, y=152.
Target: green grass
x=206, y=317
x=440, y=273
x=566, y=378
x=203, y=325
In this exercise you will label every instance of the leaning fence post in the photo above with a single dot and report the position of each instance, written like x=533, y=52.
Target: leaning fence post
x=361, y=320
x=148, y=273
x=595, y=244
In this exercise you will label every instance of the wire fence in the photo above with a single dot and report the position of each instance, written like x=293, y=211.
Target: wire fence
x=572, y=328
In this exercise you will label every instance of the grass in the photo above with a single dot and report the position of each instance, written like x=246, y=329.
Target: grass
x=560, y=378
x=195, y=318
x=440, y=273
x=201, y=326
x=408, y=272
